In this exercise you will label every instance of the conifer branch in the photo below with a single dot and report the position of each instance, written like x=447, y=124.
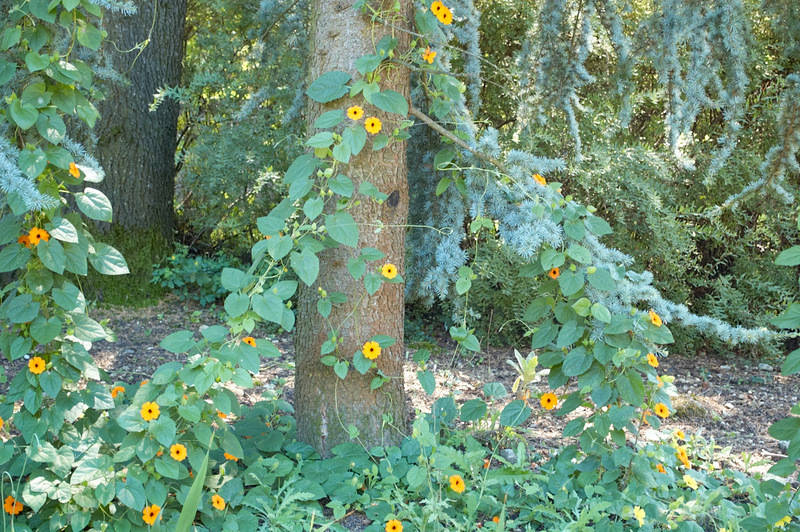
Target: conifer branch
x=442, y=131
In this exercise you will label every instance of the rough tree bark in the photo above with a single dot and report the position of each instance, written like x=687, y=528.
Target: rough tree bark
x=136, y=147
x=326, y=405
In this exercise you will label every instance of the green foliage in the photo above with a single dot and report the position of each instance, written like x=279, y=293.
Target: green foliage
x=193, y=276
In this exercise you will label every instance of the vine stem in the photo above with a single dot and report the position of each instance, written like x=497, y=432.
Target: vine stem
x=442, y=131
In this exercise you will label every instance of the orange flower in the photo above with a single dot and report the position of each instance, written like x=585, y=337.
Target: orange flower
x=371, y=350
x=652, y=360
x=437, y=7
x=36, y=365
x=457, y=483
x=683, y=457
x=554, y=273
x=222, y=415
x=160, y=454
x=143, y=383
x=249, y=340
x=373, y=125
x=178, y=452
x=150, y=513
x=218, y=502
x=150, y=411
x=36, y=235
x=1, y=423
x=389, y=270
x=549, y=401
x=393, y=525
x=680, y=435
x=655, y=319
x=662, y=410
x=496, y=519
x=117, y=390
x=445, y=16
x=660, y=382
x=12, y=506
x=539, y=179
x=25, y=241
x=73, y=170
x=230, y=457
x=646, y=414
x=486, y=463
x=661, y=469
x=355, y=112
x=428, y=55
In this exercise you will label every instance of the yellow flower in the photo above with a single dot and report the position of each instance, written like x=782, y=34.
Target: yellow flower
x=445, y=16
x=690, y=482
x=457, y=483
x=389, y=271
x=539, y=179
x=150, y=411
x=371, y=350
x=683, y=457
x=437, y=7
x=150, y=514
x=36, y=235
x=662, y=410
x=638, y=513
x=249, y=340
x=12, y=506
x=116, y=390
x=36, y=365
x=372, y=125
x=652, y=360
x=178, y=452
x=355, y=112
x=218, y=502
x=428, y=55
x=655, y=319
x=554, y=273
x=394, y=526
x=73, y=170
x=680, y=435
x=549, y=401
x=230, y=457
x=783, y=522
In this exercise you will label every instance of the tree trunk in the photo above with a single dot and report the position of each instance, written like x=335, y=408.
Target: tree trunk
x=136, y=147
x=325, y=404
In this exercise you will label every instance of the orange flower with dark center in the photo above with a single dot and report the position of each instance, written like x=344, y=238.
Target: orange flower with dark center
x=12, y=506
x=652, y=360
x=116, y=390
x=36, y=365
x=661, y=469
x=554, y=273
x=549, y=401
x=373, y=125
x=74, y=171
x=371, y=350
x=249, y=340
x=437, y=7
x=655, y=319
x=150, y=411
x=428, y=55
x=230, y=457
x=355, y=112
x=457, y=483
x=150, y=514
x=218, y=502
x=389, y=271
x=178, y=452
x=25, y=241
x=680, y=434
x=539, y=179
x=662, y=410
x=445, y=16
x=393, y=525
x=36, y=235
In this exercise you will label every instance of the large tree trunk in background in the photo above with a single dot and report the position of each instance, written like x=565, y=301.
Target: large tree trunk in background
x=136, y=147
x=326, y=405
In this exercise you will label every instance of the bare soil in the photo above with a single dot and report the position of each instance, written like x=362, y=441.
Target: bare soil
x=730, y=401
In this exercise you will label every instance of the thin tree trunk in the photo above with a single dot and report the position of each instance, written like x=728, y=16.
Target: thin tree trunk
x=136, y=147
x=325, y=404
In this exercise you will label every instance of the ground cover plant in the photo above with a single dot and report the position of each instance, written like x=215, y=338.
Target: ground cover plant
x=178, y=451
